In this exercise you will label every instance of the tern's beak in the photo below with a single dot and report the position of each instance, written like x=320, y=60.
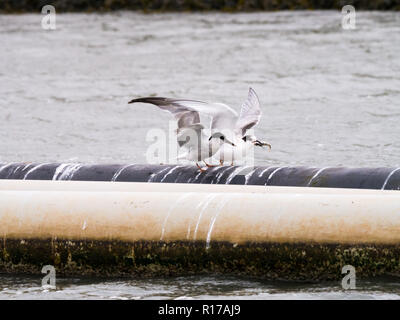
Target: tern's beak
x=229, y=142
x=259, y=143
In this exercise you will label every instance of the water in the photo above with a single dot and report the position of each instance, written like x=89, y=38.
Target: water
x=193, y=287
x=329, y=96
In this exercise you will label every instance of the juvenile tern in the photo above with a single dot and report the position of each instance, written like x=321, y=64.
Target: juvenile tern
x=249, y=117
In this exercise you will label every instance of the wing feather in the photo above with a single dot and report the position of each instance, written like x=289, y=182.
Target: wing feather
x=250, y=113
x=184, y=115
x=187, y=112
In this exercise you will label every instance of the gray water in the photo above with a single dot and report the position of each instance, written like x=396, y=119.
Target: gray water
x=330, y=97
x=193, y=287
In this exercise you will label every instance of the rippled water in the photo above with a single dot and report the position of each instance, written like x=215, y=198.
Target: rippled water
x=194, y=287
x=330, y=97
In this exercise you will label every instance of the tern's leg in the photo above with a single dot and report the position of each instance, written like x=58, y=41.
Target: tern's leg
x=200, y=168
x=232, y=163
x=221, y=162
x=209, y=165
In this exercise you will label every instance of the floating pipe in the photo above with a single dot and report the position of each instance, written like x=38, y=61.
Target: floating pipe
x=339, y=177
x=142, y=229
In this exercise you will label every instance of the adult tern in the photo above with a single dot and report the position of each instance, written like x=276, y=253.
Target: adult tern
x=190, y=134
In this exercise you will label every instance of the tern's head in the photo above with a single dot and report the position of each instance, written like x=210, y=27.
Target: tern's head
x=252, y=139
x=218, y=136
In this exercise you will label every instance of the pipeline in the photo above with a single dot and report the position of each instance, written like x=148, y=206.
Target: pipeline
x=330, y=177
x=162, y=229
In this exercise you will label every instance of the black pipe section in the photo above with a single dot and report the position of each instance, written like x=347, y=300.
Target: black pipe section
x=332, y=177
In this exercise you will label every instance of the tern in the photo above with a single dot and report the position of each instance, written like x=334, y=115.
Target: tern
x=225, y=123
x=249, y=117
x=190, y=134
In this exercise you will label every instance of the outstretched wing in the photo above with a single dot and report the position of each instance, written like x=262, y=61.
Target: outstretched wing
x=183, y=113
x=187, y=111
x=250, y=113
x=223, y=116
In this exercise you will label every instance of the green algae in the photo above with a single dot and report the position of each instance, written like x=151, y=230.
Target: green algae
x=289, y=261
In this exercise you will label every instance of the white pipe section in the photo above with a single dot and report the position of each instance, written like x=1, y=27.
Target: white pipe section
x=90, y=186
x=170, y=212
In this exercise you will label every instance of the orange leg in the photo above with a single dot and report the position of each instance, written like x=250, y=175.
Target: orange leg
x=200, y=168
x=209, y=165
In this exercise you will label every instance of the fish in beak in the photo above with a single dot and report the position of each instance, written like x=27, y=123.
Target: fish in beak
x=259, y=143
